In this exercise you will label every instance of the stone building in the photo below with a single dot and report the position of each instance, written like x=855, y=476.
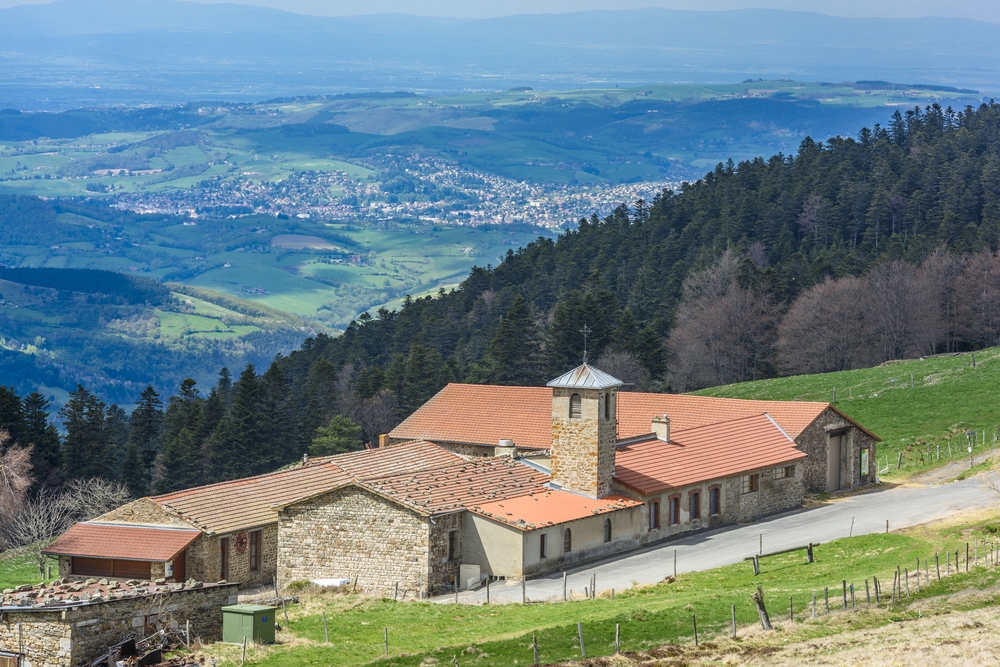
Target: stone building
x=486, y=481
x=66, y=623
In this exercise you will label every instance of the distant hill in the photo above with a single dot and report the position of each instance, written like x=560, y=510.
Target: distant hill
x=187, y=50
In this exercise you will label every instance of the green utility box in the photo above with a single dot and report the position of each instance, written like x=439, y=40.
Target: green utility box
x=252, y=621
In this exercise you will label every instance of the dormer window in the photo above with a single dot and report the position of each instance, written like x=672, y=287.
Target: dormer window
x=607, y=407
x=575, y=406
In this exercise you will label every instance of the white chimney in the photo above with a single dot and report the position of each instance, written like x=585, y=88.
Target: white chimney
x=661, y=427
x=506, y=448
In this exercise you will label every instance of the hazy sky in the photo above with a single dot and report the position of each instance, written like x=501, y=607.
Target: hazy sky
x=984, y=10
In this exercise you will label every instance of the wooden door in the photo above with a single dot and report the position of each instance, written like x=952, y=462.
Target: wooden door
x=180, y=566
x=833, y=463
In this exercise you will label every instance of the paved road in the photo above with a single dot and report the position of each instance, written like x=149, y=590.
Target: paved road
x=902, y=506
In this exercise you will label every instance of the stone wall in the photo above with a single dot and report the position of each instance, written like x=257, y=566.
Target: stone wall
x=239, y=563
x=351, y=532
x=70, y=637
x=143, y=511
x=815, y=442
x=441, y=569
x=583, y=449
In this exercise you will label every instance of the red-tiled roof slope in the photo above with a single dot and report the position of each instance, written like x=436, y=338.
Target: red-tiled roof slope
x=123, y=542
x=485, y=414
x=540, y=510
x=703, y=454
x=636, y=410
x=454, y=487
x=248, y=503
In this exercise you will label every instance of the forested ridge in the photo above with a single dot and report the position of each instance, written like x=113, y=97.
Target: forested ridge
x=849, y=253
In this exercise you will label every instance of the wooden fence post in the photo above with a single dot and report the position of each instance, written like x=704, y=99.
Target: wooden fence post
x=564, y=586
x=758, y=601
x=852, y=596
x=386, y=631
x=618, y=637
x=395, y=589
x=868, y=595
x=487, y=590
x=845, y=592
x=243, y=659
x=791, y=611
x=534, y=645
x=326, y=629
x=814, y=605
x=937, y=566
x=734, y=618
x=907, y=571
x=579, y=632
x=826, y=597
x=524, y=591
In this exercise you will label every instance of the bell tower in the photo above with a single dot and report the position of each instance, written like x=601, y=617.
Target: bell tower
x=584, y=430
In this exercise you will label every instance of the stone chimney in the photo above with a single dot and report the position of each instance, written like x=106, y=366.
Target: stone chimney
x=661, y=427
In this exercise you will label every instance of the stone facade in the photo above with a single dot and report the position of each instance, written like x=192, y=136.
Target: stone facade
x=76, y=635
x=814, y=441
x=583, y=448
x=353, y=533
x=143, y=511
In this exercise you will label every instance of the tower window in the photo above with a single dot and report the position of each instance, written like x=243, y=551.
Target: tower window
x=575, y=406
x=607, y=407
x=567, y=541
x=607, y=530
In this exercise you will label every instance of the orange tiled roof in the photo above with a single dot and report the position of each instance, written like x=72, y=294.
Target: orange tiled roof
x=454, y=487
x=248, y=503
x=549, y=507
x=124, y=542
x=485, y=414
x=704, y=453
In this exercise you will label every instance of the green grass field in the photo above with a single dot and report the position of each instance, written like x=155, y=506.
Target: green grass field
x=948, y=397
x=501, y=635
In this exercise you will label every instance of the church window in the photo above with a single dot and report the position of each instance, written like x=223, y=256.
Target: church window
x=567, y=541
x=607, y=407
x=575, y=406
x=607, y=530
x=452, y=544
x=541, y=545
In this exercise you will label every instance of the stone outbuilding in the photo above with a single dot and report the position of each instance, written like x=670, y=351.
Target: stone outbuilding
x=68, y=623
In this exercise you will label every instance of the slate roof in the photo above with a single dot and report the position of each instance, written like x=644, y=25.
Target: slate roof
x=249, y=503
x=585, y=377
x=549, y=507
x=704, y=453
x=485, y=414
x=122, y=542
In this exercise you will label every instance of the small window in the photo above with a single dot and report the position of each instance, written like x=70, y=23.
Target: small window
x=675, y=510
x=784, y=472
x=654, y=515
x=541, y=545
x=607, y=530
x=224, y=559
x=695, y=508
x=567, y=541
x=255, y=551
x=715, y=501
x=9, y=659
x=575, y=406
x=751, y=483
x=864, y=462
x=607, y=407
x=452, y=544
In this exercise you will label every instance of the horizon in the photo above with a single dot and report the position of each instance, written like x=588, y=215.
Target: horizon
x=976, y=10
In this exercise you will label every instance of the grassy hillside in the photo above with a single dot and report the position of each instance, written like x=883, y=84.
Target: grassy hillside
x=948, y=397
x=428, y=633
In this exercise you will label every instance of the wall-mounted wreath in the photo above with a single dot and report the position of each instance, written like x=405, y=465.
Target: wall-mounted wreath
x=241, y=542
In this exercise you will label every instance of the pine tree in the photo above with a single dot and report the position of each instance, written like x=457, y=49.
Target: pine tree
x=12, y=414
x=234, y=447
x=116, y=435
x=278, y=444
x=134, y=473
x=321, y=398
x=179, y=465
x=43, y=438
x=339, y=436
x=85, y=448
x=594, y=308
x=422, y=376
x=513, y=356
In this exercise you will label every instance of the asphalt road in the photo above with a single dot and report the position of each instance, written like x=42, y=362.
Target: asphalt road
x=902, y=506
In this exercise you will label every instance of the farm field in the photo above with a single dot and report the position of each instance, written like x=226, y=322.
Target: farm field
x=949, y=396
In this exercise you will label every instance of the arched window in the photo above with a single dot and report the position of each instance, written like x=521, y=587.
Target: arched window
x=567, y=541
x=575, y=406
x=607, y=407
x=607, y=530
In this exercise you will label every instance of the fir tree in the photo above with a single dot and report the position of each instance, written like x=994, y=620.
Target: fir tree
x=278, y=444
x=513, y=356
x=134, y=473
x=145, y=426
x=321, y=397
x=12, y=414
x=234, y=447
x=43, y=437
x=339, y=436
x=179, y=465
x=85, y=448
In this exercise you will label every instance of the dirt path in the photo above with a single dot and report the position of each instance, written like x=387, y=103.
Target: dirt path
x=947, y=472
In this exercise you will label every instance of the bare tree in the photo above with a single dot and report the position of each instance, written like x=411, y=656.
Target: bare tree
x=15, y=480
x=86, y=499
x=378, y=414
x=724, y=332
x=624, y=366
x=826, y=329
x=980, y=303
x=809, y=217
x=39, y=522
x=938, y=326
x=895, y=310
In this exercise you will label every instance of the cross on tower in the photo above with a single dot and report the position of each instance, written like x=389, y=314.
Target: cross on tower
x=586, y=331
